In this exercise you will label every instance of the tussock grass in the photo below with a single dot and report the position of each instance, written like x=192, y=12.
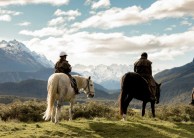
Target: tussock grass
x=176, y=113
x=97, y=120
x=29, y=111
x=32, y=111
x=98, y=128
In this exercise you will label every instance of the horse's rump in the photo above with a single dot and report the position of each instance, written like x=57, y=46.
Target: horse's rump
x=57, y=83
x=60, y=90
x=134, y=84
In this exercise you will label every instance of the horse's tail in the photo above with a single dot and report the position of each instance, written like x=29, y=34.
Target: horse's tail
x=122, y=96
x=52, y=90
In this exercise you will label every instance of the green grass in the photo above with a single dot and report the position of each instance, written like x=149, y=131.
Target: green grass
x=96, y=120
x=134, y=127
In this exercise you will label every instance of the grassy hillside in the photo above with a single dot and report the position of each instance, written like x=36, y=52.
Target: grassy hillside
x=95, y=119
x=99, y=128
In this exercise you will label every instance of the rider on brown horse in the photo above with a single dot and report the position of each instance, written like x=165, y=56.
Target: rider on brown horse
x=144, y=68
x=63, y=66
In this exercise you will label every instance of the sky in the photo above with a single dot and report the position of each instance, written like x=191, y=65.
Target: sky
x=94, y=32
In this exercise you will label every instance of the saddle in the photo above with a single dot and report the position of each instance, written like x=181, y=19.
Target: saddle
x=151, y=88
x=73, y=83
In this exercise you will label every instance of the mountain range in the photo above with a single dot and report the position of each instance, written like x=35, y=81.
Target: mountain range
x=18, y=63
x=16, y=57
x=177, y=83
x=38, y=89
x=25, y=73
x=106, y=75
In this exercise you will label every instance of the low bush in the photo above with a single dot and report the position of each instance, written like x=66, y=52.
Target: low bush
x=177, y=113
x=91, y=110
x=29, y=111
x=32, y=111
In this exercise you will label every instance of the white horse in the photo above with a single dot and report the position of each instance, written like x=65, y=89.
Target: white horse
x=59, y=90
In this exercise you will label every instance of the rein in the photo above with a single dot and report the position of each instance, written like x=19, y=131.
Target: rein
x=87, y=85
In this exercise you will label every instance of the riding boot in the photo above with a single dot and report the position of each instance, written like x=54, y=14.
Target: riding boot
x=75, y=86
x=73, y=83
x=152, y=93
x=192, y=102
x=76, y=90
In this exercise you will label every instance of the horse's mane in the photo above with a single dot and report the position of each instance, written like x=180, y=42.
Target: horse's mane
x=80, y=79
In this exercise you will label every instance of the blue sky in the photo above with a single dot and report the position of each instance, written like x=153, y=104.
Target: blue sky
x=96, y=32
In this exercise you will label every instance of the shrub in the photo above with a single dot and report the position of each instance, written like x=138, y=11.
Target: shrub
x=177, y=113
x=32, y=111
x=91, y=110
x=29, y=111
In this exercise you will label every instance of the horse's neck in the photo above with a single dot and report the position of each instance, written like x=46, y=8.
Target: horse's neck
x=80, y=81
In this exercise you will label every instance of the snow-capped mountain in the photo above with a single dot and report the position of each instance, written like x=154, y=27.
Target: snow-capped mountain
x=15, y=56
x=107, y=76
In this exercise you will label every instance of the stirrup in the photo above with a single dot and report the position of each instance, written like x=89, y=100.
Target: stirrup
x=76, y=92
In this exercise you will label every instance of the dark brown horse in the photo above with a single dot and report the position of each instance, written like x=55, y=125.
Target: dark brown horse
x=192, y=97
x=134, y=86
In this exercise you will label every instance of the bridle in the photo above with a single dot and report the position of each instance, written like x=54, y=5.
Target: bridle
x=88, y=86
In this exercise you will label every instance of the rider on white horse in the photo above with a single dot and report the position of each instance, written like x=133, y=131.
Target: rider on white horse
x=63, y=66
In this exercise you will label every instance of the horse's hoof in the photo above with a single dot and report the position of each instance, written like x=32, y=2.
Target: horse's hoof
x=123, y=119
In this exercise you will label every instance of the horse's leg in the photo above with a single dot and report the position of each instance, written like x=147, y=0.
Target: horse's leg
x=71, y=109
x=125, y=106
x=143, y=107
x=153, y=108
x=58, y=111
x=52, y=115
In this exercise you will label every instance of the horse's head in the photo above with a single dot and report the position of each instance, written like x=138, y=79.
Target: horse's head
x=89, y=87
x=158, y=93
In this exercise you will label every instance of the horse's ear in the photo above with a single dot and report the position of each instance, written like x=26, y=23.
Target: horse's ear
x=158, y=84
x=89, y=77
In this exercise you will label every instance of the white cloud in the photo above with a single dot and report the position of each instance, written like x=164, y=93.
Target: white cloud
x=59, y=12
x=114, y=17
x=24, y=24
x=101, y=4
x=14, y=13
x=162, y=54
x=85, y=46
x=6, y=18
x=6, y=15
x=118, y=17
x=186, y=23
x=168, y=29
x=88, y=1
x=48, y=31
x=170, y=8
x=71, y=14
x=24, y=2
x=56, y=21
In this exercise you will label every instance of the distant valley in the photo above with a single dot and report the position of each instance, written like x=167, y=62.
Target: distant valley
x=25, y=73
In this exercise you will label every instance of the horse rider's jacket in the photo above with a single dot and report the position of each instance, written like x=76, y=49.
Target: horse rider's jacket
x=144, y=67
x=63, y=66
